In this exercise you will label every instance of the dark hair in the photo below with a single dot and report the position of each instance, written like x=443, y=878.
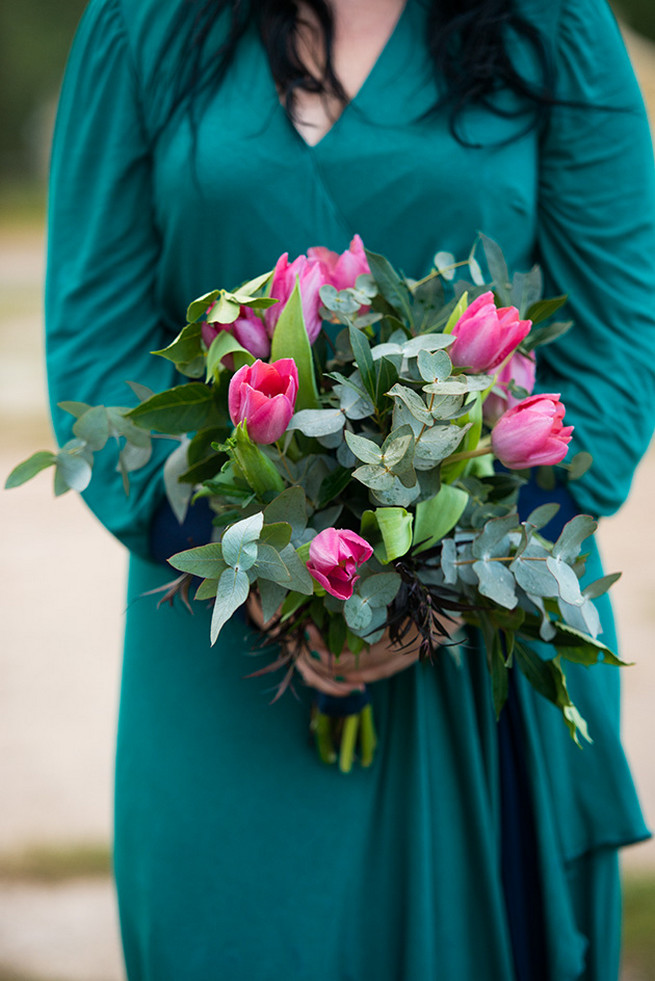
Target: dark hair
x=467, y=41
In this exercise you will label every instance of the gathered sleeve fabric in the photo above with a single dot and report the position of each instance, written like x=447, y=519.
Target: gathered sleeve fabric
x=596, y=241
x=102, y=315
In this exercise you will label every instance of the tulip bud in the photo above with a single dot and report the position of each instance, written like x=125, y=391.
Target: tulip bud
x=531, y=433
x=486, y=335
x=264, y=395
x=334, y=555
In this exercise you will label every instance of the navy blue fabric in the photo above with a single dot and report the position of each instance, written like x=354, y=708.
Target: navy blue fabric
x=168, y=536
x=340, y=706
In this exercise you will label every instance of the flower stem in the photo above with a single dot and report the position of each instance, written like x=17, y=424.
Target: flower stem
x=483, y=449
x=321, y=726
x=348, y=740
x=367, y=735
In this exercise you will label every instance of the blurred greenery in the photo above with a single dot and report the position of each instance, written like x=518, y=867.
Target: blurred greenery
x=34, y=39
x=56, y=863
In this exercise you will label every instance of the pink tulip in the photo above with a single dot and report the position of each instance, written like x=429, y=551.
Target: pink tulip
x=310, y=278
x=334, y=555
x=486, y=335
x=531, y=433
x=247, y=329
x=264, y=395
x=341, y=271
x=520, y=369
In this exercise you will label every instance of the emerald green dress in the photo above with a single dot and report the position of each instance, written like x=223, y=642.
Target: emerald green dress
x=238, y=856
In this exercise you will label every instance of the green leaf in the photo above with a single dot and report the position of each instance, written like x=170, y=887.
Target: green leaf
x=336, y=634
x=499, y=675
x=496, y=582
x=541, y=515
x=364, y=360
x=391, y=286
x=290, y=341
x=278, y=534
x=436, y=444
x=224, y=310
x=600, y=586
x=270, y=565
x=543, y=309
x=567, y=582
x=364, y=449
x=93, y=427
x=435, y=366
x=207, y=589
x=198, y=307
x=425, y=342
x=301, y=581
x=573, y=534
x=272, y=596
x=29, y=468
x=578, y=465
x=438, y=516
x=414, y=403
x=186, y=346
x=398, y=451
x=205, y=561
x=232, y=592
x=377, y=478
x=223, y=344
x=527, y=288
x=545, y=335
x=492, y=540
x=290, y=506
x=386, y=377
x=73, y=468
x=239, y=541
x=497, y=268
x=389, y=531
x=74, y=408
x=177, y=410
x=459, y=308
x=333, y=485
x=380, y=589
x=178, y=494
x=358, y=612
x=247, y=289
x=318, y=422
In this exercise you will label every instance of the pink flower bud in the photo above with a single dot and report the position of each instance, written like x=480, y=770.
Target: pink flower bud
x=341, y=271
x=334, y=555
x=531, y=434
x=247, y=329
x=310, y=279
x=486, y=335
x=264, y=395
x=520, y=369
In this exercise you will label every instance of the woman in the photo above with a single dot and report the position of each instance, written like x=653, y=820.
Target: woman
x=465, y=852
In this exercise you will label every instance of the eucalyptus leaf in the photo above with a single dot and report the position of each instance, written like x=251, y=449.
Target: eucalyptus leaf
x=232, y=592
x=375, y=477
x=29, y=468
x=497, y=268
x=444, y=263
x=436, y=444
x=239, y=541
x=205, y=561
x=207, y=589
x=178, y=494
x=527, y=288
x=380, y=589
x=413, y=402
x=270, y=565
x=134, y=457
x=272, y=596
x=600, y=586
x=496, y=582
x=543, y=309
x=289, y=506
x=567, y=581
x=74, y=408
x=278, y=534
x=542, y=515
x=358, y=612
x=364, y=449
x=333, y=485
x=390, y=284
x=301, y=581
x=318, y=422
x=435, y=366
x=573, y=534
x=73, y=468
x=93, y=427
x=425, y=342
x=493, y=539
x=364, y=360
x=545, y=335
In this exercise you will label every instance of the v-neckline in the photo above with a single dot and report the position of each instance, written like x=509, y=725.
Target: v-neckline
x=359, y=94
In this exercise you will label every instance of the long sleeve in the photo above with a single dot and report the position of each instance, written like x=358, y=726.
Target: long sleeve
x=597, y=244
x=102, y=318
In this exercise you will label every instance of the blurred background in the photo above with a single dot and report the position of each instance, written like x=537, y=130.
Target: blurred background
x=59, y=668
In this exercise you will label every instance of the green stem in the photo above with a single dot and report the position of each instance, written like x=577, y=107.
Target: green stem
x=348, y=740
x=321, y=725
x=482, y=450
x=367, y=736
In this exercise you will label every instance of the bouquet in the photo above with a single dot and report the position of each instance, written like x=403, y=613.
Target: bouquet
x=361, y=438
